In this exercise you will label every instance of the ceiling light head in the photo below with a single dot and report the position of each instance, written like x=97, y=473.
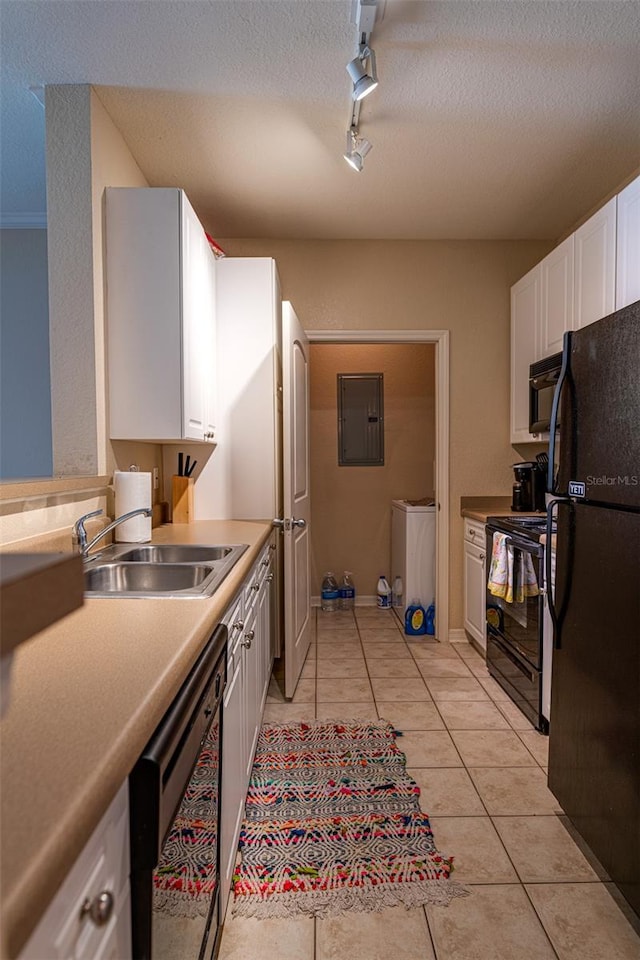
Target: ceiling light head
x=365, y=79
x=357, y=149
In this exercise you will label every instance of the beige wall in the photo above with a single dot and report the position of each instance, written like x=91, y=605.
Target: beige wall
x=461, y=286
x=85, y=154
x=350, y=506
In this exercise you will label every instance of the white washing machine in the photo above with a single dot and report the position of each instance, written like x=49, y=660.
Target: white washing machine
x=413, y=550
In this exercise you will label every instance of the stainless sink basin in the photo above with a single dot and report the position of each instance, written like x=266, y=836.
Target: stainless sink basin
x=175, y=553
x=159, y=570
x=145, y=577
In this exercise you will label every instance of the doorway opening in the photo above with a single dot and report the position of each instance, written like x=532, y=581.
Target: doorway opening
x=436, y=447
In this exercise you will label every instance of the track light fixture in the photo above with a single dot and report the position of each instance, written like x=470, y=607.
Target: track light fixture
x=363, y=73
x=363, y=82
x=357, y=149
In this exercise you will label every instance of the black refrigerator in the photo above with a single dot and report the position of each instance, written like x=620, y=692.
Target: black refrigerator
x=594, y=736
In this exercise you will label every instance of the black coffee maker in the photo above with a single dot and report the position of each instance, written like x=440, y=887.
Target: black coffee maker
x=528, y=487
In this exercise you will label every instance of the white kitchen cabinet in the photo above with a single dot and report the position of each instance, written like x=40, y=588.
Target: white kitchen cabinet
x=595, y=267
x=628, y=245
x=246, y=477
x=73, y=926
x=475, y=582
x=525, y=319
x=161, y=318
x=249, y=662
x=556, y=312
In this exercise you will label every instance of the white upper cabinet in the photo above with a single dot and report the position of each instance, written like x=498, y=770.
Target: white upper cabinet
x=595, y=267
x=525, y=314
x=161, y=317
x=249, y=311
x=556, y=315
x=586, y=277
x=628, y=245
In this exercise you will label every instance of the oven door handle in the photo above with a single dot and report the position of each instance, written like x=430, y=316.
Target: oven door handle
x=528, y=546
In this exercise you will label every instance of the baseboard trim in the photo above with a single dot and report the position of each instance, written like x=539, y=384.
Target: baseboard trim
x=360, y=601
x=458, y=635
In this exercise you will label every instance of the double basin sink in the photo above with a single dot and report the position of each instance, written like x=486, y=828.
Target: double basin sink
x=159, y=570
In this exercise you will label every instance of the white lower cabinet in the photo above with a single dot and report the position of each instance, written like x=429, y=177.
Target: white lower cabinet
x=249, y=669
x=475, y=582
x=90, y=916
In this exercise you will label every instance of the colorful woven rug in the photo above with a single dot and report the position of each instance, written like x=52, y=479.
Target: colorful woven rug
x=333, y=823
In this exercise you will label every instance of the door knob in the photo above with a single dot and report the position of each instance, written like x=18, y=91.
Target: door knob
x=278, y=523
x=298, y=523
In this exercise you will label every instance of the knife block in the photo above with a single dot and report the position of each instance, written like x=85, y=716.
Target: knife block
x=181, y=499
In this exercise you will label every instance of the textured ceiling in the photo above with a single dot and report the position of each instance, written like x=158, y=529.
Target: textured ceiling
x=492, y=119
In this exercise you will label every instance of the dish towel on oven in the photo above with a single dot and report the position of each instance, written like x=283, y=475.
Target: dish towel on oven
x=527, y=582
x=500, y=581
x=508, y=580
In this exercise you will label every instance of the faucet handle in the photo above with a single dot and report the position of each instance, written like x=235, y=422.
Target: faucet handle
x=79, y=535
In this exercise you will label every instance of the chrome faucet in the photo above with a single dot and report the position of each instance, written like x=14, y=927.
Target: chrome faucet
x=79, y=535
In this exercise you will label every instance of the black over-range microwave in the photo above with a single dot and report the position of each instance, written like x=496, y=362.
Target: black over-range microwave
x=543, y=376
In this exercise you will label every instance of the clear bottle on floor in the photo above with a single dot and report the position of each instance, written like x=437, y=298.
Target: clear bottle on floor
x=347, y=592
x=384, y=593
x=396, y=592
x=330, y=594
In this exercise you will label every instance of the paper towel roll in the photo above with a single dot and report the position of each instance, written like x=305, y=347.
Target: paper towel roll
x=133, y=491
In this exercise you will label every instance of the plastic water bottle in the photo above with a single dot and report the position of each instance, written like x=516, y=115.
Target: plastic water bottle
x=396, y=592
x=347, y=592
x=384, y=593
x=330, y=596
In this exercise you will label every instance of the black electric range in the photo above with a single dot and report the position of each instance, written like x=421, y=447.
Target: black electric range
x=516, y=656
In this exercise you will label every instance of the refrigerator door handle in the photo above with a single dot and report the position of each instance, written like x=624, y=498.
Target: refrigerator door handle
x=555, y=406
x=555, y=620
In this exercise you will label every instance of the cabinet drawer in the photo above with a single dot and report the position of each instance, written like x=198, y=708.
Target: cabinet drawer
x=259, y=572
x=234, y=621
x=67, y=929
x=474, y=532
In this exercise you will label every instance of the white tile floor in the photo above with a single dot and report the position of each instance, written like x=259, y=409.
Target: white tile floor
x=481, y=769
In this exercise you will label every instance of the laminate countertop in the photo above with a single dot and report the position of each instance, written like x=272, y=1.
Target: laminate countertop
x=479, y=508
x=86, y=695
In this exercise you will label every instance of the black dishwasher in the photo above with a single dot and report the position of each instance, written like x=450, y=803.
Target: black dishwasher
x=174, y=793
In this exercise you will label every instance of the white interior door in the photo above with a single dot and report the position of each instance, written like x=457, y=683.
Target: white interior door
x=297, y=593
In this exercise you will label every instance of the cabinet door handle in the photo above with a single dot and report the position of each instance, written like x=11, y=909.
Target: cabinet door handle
x=482, y=556
x=269, y=577
x=238, y=625
x=265, y=562
x=99, y=909
x=256, y=587
x=248, y=637
x=472, y=533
